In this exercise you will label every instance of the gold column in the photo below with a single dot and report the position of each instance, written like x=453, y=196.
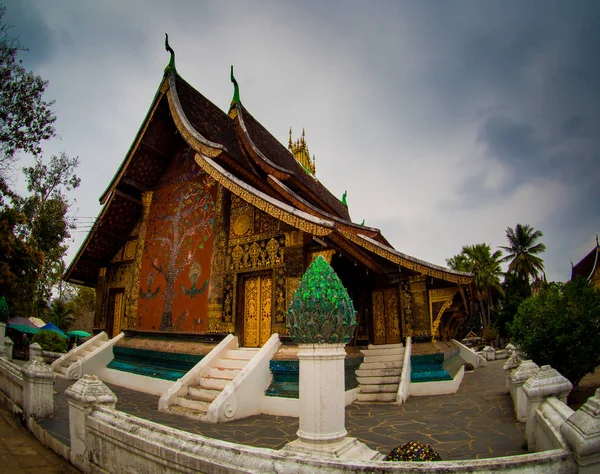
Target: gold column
x=420, y=309
x=99, y=317
x=134, y=289
x=217, y=265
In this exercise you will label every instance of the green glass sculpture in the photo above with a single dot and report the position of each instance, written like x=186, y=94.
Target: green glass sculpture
x=321, y=311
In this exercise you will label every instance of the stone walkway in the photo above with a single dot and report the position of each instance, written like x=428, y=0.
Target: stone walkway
x=21, y=453
x=476, y=422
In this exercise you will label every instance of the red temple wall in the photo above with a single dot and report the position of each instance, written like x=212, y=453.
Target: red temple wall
x=176, y=260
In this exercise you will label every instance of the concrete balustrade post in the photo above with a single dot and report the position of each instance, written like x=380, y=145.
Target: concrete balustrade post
x=38, y=389
x=517, y=378
x=489, y=353
x=84, y=395
x=35, y=351
x=509, y=366
x=8, y=348
x=582, y=432
x=548, y=382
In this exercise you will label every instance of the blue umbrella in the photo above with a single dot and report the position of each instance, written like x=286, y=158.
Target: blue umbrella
x=52, y=327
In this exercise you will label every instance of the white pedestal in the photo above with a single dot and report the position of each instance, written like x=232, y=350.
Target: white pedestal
x=322, y=421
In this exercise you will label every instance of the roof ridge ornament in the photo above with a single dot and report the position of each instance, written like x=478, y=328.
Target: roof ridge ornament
x=344, y=202
x=171, y=65
x=236, y=96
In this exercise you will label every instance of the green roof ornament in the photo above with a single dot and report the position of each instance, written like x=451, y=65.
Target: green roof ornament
x=171, y=64
x=236, y=90
x=363, y=223
x=321, y=311
x=344, y=202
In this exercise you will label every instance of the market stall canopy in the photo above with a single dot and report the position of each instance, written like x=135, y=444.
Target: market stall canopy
x=20, y=321
x=78, y=334
x=37, y=321
x=52, y=327
x=23, y=328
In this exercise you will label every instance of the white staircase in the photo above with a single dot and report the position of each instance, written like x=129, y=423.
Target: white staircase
x=204, y=390
x=379, y=374
x=89, y=357
x=228, y=383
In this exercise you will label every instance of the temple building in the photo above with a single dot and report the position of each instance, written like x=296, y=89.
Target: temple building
x=589, y=266
x=210, y=222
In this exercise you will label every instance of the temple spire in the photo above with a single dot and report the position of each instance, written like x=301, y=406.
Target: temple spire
x=299, y=149
x=171, y=64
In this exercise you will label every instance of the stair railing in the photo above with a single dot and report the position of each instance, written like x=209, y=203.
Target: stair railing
x=404, y=385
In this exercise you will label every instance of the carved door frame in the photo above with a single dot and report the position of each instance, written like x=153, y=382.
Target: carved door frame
x=240, y=299
x=116, y=301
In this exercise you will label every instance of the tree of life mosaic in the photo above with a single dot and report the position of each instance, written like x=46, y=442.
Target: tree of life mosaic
x=176, y=260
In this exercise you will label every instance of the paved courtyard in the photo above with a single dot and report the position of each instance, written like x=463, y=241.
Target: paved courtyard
x=476, y=422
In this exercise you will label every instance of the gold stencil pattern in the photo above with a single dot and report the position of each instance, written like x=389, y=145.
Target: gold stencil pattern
x=259, y=254
x=386, y=324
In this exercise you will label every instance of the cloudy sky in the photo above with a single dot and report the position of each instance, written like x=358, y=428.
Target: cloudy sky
x=446, y=122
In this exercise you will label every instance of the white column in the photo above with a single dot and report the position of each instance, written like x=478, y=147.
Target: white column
x=38, y=389
x=548, y=382
x=509, y=366
x=582, y=432
x=322, y=388
x=84, y=395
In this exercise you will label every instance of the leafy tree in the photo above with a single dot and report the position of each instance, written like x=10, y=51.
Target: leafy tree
x=82, y=303
x=485, y=265
x=25, y=117
x=515, y=290
x=50, y=341
x=523, y=250
x=33, y=229
x=560, y=326
x=60, y=314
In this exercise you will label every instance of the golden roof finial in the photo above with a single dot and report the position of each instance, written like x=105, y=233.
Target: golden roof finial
x=290, y=140
x=299, y=149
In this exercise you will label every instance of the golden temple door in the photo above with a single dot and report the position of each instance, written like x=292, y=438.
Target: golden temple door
x=257, y=308
x=115, y=311
x=386, y=316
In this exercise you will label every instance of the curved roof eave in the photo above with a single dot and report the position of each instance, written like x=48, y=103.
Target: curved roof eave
x=412, y=263
x=293, y=195
x=265, y=163
x=184, y=126
x=280, y=210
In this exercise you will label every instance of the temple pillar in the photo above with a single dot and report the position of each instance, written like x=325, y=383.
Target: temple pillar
x=134, y=289
x=217, y=265
x=421, y=319
x=99, y=317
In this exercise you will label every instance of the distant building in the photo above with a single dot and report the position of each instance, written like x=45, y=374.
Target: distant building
x=589, y=266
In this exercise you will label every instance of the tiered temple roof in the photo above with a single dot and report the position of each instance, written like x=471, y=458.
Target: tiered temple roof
x=241, y=155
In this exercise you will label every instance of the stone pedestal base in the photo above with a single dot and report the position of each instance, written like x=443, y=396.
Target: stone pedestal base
x=346, y=448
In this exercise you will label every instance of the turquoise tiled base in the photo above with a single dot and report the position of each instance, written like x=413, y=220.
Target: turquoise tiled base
x=160, y=365
x=434, y=367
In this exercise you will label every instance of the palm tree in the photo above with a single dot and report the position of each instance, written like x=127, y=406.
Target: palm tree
x=485, y=265
x=60, y=314
x=522, y=250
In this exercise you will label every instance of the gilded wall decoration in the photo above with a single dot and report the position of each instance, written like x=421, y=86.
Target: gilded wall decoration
x=421, y=315
x=228, y=298
x=327, y=254
x=280, y=294
x=406, y=308
x=258, y=254
x=248, y=224
x=378, y=317
x=439, y=301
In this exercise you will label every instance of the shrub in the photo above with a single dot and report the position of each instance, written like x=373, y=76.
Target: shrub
x=413, y=451
x=50, y=341
x=560, y=326
x=490, y=334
